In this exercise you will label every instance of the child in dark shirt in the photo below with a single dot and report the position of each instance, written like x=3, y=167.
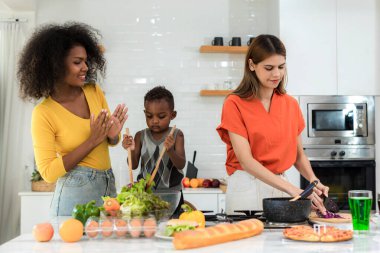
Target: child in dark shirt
x=148, y=143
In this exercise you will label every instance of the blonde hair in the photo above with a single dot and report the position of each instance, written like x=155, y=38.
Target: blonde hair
x=261, y=48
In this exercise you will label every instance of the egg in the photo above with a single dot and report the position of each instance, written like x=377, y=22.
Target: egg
x=92, y=229
x=107, y=228
x=121, y=227
x=135, y=227
x=150, y=227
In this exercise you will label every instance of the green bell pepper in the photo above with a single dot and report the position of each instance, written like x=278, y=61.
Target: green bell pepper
x=85, y=211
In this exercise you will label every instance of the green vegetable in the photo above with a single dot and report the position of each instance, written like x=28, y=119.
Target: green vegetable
x=85, y=211
x=170, y=230
x=138, y=200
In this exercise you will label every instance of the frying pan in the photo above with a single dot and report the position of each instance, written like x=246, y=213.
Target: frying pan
x=283, y=210
x=289, y=209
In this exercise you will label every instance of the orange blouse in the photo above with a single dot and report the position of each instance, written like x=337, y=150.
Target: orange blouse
x=272, y=135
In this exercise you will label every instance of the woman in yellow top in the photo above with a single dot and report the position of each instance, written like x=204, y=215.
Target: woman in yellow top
x=72, y=126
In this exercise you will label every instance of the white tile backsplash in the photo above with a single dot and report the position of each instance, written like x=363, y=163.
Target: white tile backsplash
x=156, y=42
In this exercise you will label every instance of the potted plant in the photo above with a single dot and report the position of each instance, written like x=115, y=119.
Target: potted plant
x=39, y=185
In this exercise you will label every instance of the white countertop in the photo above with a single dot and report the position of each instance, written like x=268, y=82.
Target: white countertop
x=202, y=190
x=185, y=190
x=31, y=193
x=268, y=241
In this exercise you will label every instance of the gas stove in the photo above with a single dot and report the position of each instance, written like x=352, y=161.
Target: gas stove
x=212, y=219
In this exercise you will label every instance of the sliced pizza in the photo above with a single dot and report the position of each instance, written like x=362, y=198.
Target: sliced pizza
x=322, y=234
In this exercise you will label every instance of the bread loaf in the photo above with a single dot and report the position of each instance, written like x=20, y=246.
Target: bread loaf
x=220, y=233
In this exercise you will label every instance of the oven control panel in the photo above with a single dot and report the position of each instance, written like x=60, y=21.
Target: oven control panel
x=339, y=153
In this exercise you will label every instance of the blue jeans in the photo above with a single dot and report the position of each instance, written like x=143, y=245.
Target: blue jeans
x=79, y=186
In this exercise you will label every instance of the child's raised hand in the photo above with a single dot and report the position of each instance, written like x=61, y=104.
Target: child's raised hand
x=169, y=142
x=128, y=142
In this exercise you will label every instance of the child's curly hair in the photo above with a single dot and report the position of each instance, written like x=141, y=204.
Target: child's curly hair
x=160, y=92
x=42, y=61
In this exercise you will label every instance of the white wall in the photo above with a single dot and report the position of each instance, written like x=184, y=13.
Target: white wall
x=151, y=43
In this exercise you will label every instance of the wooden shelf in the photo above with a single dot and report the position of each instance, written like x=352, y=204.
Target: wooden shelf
x=224, y=49
x=210, y=93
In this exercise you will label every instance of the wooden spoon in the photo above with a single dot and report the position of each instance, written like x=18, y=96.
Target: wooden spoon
x=129, y=159
x=159, y=161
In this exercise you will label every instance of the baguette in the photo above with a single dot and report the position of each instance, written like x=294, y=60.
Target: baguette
x=220, y=233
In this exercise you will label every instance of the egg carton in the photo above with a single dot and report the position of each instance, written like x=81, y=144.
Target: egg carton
x=105, y=228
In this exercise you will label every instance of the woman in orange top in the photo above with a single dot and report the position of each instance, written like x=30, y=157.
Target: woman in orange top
x=261, y=126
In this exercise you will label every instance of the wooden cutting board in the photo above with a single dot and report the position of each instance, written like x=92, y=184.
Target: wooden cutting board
x=346, y=218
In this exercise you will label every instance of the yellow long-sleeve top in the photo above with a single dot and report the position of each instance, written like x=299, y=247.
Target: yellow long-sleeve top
x=56, y=132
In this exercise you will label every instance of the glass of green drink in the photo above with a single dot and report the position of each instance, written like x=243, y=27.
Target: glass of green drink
x=360, y=202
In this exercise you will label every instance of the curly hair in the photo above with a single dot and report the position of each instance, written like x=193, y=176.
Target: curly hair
x=42, y=61
x=160, y=92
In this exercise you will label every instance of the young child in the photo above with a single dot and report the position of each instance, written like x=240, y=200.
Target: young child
x=148, y=143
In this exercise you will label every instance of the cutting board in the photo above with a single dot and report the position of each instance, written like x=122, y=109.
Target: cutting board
x=346, y=218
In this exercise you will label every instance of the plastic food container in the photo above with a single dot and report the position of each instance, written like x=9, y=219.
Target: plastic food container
x=114, y=227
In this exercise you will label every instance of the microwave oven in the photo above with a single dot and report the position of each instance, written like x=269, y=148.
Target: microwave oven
x=334, y=120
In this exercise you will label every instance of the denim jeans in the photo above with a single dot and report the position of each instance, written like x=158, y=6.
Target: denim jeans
x=79, y=186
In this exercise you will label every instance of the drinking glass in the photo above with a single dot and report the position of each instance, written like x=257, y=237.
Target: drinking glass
x=360, y=202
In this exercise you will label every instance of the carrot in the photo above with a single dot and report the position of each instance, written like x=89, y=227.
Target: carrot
x=111, y=204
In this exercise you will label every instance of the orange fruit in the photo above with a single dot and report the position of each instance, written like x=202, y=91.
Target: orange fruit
x=150, y=227
x=92, y=229
x=71, y=230
x=193, y=183
x=200, y=182
x=107, y=228
x=121, y=227
x=43, y=232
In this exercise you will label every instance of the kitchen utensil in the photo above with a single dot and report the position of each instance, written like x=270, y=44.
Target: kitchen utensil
x=192, y=171
x=250, y=41
x=173, y=197
x=330, y=204
x=308, y=190
x=159, y=161
x=217, y=41
x=129, y=160
x=236, y=41
x=283, y=210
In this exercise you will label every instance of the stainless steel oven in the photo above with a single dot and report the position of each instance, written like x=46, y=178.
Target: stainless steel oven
x=339, y=140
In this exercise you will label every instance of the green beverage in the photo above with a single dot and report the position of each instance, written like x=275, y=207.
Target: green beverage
x=360, y=210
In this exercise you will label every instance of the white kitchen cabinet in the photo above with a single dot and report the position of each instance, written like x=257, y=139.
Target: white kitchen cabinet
x=35, y=208
x=358, y=47
x=206, y=199
x=308, y=30
x=332, y=46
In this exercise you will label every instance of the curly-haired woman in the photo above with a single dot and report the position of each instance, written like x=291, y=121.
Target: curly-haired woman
x=72, y=126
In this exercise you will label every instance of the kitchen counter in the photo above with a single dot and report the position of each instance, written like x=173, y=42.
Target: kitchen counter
x=268, y=241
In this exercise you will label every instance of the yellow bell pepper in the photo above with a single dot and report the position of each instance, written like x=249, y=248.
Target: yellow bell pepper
x=193, y=215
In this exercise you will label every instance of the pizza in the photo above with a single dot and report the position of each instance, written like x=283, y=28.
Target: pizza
x=317, y=234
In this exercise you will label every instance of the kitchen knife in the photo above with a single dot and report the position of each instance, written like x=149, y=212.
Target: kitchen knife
x=308, y=190
x=330, y=204
x=192, y=171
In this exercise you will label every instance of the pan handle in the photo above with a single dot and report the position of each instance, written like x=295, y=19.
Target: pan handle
x=195, y=154
x=308, y=190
